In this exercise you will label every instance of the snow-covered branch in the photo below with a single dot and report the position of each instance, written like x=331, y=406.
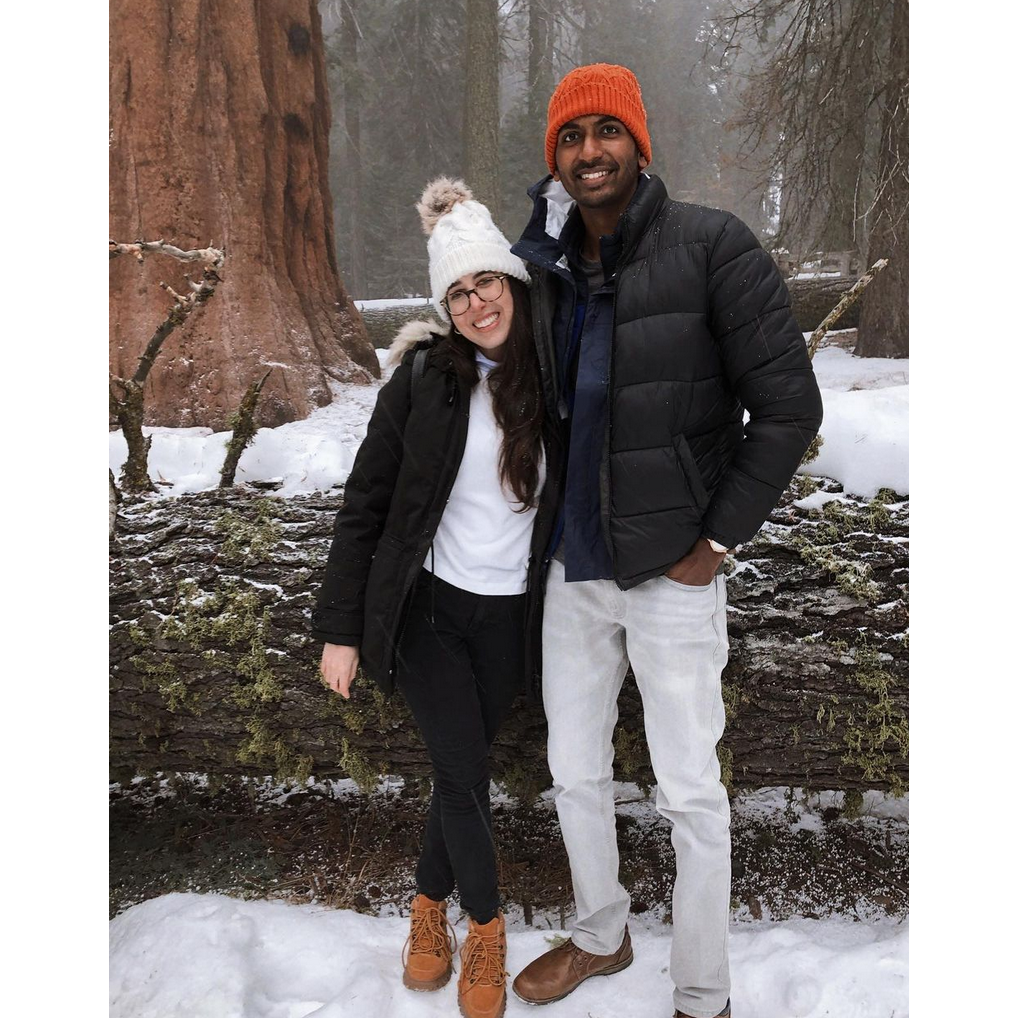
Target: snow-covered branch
x=843, y=305
x=127, y=404
x=210, y=255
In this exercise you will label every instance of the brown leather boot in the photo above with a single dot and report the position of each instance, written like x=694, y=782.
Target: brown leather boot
x=482, y=970
x=556, y=973
x=427, y=953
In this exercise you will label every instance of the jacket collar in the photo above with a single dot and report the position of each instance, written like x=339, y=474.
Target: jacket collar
x=410, y=334
x=541, y=242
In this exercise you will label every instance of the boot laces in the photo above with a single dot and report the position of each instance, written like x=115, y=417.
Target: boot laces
x=428, y=934
x=483, y=959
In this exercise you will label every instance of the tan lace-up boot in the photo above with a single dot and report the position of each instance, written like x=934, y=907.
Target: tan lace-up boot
x=482, y=970
x=427, y=953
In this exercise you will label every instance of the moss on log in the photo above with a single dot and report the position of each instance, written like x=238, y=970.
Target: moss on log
x=212, y=668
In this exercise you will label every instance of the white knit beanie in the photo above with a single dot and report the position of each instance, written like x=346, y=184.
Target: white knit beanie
x=462, y=238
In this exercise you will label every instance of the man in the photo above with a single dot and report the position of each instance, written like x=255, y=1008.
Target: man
x=658, y=324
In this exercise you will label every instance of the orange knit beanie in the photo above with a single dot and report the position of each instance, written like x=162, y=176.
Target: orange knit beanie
x=597, y=88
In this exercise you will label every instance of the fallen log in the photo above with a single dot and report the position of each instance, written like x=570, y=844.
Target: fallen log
x=212, y=668
x=812, y=299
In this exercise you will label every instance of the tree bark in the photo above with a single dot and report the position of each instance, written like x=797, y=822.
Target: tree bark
x=843, y=219
x=540, y=39
x=213, y=670
x=350, y=73
x=219, y=118
x=244, y=429
x=127, y=405
x=883, y=320
x=480, y=104
x=813, y=300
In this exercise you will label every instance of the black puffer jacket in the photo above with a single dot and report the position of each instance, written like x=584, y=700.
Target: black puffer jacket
x=703, y=330
x=394, y=500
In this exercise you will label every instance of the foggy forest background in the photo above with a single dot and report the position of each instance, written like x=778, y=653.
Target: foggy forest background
x=790, y=113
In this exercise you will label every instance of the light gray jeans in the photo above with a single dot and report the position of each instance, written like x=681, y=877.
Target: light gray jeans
x=676, y=638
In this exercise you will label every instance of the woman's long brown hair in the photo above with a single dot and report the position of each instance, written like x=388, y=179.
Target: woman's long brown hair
x=515, y=384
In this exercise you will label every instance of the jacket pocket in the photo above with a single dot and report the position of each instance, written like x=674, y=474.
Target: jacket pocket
x=389, y=540
x=381, y=607
x=692, y=472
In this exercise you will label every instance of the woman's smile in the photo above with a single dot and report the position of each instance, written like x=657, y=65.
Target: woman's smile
x=488, y=321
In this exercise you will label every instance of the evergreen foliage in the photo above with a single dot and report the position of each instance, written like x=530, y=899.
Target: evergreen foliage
x=710, y=79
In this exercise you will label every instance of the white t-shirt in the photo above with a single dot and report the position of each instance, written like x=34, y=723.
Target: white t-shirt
x=482, y=545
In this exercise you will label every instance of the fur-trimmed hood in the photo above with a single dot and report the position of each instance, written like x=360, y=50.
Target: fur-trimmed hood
x=411, y=334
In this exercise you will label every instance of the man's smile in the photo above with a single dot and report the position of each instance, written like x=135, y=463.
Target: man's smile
x=595, y=176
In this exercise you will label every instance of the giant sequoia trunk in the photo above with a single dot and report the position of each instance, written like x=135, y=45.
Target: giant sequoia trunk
x=212, y=668
x=219, y=122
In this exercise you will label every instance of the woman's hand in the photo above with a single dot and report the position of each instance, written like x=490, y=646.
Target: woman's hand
x=338, y=667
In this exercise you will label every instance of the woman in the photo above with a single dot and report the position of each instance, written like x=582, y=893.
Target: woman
x=431, y=582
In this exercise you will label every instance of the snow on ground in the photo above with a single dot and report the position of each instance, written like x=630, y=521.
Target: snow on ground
x=767, y=803
x=865, y=440
x=865, y=434
x=837, y=369
x=199, y=955
x=308, y=455
x=196, y=955
x=865, y=428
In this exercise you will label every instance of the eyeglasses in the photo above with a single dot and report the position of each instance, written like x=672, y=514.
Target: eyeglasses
x=489, y=288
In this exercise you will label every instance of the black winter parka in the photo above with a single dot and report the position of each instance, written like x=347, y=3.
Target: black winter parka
x=703, y=330
x=393, y=502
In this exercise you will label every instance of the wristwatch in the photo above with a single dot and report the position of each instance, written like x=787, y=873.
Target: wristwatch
x=719, y=548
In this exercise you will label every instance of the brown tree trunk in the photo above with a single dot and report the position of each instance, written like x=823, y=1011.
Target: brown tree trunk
x=883, y=320
x=540, y=40
x=127, y=405
x=841, y=218
x=213, y=670
x=219, y=119
x=480, y=104
x=350, y=73
x=840, y=230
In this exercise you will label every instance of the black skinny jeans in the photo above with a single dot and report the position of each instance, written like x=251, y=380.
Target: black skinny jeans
x=460, y=668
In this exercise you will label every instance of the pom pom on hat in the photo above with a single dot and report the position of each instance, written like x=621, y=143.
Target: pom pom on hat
x=462, y=238
x=439, y=198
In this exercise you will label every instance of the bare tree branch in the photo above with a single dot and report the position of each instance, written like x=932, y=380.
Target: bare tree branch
x=127, y=401
x=208, y=255
x=807, y=109
x=843, y=305
x=178, y=314
x=244, y=429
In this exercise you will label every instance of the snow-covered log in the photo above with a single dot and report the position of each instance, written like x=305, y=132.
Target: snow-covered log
x=212, y=668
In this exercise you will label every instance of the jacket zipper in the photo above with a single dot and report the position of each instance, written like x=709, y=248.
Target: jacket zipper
x=607, y=486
